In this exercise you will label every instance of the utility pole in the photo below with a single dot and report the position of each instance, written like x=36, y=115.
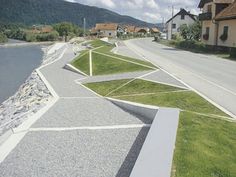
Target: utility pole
x=84, y=26
x=171, y=28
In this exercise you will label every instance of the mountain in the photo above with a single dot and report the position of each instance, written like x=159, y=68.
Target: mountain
x=53, y=11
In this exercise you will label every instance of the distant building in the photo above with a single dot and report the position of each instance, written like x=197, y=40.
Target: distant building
x=106, y=29
x=130, y=29
x=42, y=28
x=218, y=19
x=154, y=30
x=142, y=30
x=181, y=18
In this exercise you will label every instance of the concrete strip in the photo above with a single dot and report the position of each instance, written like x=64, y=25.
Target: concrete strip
x=5, y=136
x=146, y=111
x=111, y=77
x=74, y=69
x=156, y=155
x=90, y=63
x=131, y=126
x=10, y=144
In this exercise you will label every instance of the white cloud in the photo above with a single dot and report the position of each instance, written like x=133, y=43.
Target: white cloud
x=152, y=4
x=149, y=10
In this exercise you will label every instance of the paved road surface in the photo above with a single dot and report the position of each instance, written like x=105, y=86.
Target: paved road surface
x=212, y=76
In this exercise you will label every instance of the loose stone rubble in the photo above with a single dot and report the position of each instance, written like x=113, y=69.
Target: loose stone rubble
x=32, y=96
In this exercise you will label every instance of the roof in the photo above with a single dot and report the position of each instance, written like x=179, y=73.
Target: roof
x=183, y=12
x=141, y=30
x=106, y=26
x=130, y=29
x=228, y=13
x=203, y=2
x=155, y=30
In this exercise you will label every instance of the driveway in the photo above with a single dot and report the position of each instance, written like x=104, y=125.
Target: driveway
x=211, y=76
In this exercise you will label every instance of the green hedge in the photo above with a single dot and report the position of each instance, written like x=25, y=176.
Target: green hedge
x=189, y=45
x=233, y=52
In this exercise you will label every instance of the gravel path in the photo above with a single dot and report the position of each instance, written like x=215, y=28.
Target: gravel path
x=95, y=151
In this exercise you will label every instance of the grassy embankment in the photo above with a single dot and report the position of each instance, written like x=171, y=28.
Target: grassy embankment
x=206, y=140
x=106, y=62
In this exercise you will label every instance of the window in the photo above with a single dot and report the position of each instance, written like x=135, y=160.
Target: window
x=173, y=26
x=209, y=8
x=182, y=17
x=226, y=30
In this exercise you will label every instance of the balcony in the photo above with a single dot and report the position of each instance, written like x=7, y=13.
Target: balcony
x=205, y=16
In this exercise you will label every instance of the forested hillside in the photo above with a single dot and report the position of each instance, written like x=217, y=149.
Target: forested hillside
x=53, y=11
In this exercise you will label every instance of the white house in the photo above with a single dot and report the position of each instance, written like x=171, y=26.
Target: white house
x=181, y=18
x=106, y=29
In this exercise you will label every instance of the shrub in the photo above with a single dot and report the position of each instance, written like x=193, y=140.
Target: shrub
x=3, y=38
x=233, y=52
x=190, y=45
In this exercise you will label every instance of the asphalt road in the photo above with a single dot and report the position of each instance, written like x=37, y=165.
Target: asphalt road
x=212, y=76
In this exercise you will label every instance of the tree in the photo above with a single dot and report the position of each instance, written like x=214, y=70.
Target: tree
x=64, y=28
x=3, y=38
x=191, y=32
x=184, y=31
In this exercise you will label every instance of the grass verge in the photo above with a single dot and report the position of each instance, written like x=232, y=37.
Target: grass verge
x=82, y=62
x=205, y=145
x=103, y=65
x=109, y=63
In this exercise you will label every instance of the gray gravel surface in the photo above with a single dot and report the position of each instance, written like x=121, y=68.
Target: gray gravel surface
x=84, y=153
x=85, y=112
x=62, y=80
x=161, y=76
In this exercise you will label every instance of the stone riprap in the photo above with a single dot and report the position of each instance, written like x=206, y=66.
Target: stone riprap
x=32, y=96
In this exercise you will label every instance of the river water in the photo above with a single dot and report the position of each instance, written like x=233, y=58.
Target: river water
x=16, y=65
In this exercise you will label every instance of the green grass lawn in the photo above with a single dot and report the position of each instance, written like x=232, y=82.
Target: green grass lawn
x=98, y=43
x=186, y=100
x=107, y=50
x=104, y=65
x=137, y=86
x=205, y=145
x=82, y=62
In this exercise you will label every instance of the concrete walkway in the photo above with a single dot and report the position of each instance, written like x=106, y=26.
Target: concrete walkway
x=82, y=134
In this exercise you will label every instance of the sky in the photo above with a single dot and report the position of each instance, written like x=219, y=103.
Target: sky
x=153, y=11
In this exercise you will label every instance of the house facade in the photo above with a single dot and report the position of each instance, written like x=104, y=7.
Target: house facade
x=181, y=18
x=106, y=29
x=218, y=22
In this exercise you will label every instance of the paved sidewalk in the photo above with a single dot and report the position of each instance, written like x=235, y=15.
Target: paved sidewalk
x=81, y=134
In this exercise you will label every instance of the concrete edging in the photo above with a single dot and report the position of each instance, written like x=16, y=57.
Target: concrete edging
x=147, y=111
x=156, y=156
x=10, y=139
x=74, y=69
